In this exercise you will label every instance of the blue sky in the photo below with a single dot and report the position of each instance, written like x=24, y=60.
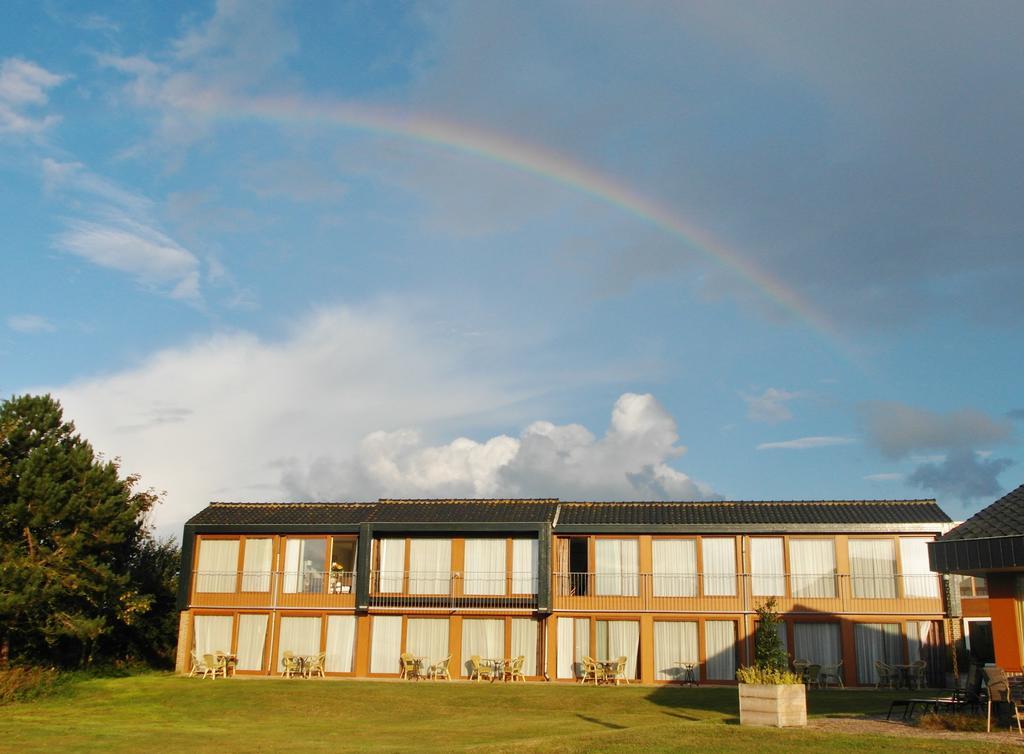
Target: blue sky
x=353, y=250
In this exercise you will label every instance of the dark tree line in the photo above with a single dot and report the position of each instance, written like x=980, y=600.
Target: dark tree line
x=82, y=580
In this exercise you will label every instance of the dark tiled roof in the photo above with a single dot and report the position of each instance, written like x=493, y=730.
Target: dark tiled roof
x=1004, y=518
x=840, y=512
x=456, y=511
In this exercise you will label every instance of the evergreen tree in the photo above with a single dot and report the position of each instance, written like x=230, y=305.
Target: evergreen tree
x=71, y=531
x=768, y=650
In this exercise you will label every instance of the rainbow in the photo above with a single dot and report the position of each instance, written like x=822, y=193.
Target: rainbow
x=527, y=158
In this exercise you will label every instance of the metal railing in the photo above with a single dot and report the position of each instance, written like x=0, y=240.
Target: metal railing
x=448, y=590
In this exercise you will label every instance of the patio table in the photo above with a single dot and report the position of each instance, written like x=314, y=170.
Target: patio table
x=689, y=674
x=497, y=666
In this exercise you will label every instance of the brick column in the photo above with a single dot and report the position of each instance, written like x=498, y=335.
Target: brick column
x=181, y=659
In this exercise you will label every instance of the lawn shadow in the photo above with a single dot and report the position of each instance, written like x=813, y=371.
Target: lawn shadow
x=720, y=700
x=602, y=723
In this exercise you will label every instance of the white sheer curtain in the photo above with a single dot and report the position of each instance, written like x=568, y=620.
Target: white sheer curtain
x=674, y=562
x=524, y=642
x=767, y=567
x=812, y=565
x=674, y=642
x=817, y=643
x=217, y=567
x=427, y=638
x=391, y=561
x=386, y=644
x=341, y=643
x=482, y=637
x=430, y=566
x=256, y=565
x=874, y=642
x=719, y=566
x=484, y=568
x=618, y=638
x=617, y=565
x=873, y=568
x=720, y=647
x=304, y=565
x=300, y=636
x=212, y=634
x=524, y=566
x=566, y=646
x=917, y=639
x=918, y=578
x=252, y=640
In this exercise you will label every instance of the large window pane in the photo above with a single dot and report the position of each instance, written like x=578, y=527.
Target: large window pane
x=720, y=646
x=619, y=638
x=391, y=555
x=873, y=568
x=767, y=567
x=817, y=643
x=252, y=640
x=524, y=566
x=876, y=642
x=343, y=565
x=719, y=556
x=300, y=636
x=484, y=638
x=341, y=643
x=212, y=634
x=675, y=642
x=484, y=567
x=386, y=644
x=812, y=565
x=617, y=566
x=257, y=565
x=305, y=563
x=524, y=643
x=427, y=638
x=573, y=646
x=430, y=563
x=918, y=578
x=217, y=567
x=674, y=563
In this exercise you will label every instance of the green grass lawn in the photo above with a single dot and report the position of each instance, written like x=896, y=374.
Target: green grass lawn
x=161, y=712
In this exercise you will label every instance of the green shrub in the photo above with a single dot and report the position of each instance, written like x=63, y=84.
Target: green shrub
x=951, y=721
x=766, y=675
x=17, y=684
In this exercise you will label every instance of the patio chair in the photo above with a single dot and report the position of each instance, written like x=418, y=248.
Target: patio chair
x=410, y=668
x=831, y=674
x=918, y=677
x=886, y=675
x=479, y=669
x=592, y=671
x=514, y=669
x=315, y=665
x=799, y=666
x=198, y=666
x=291, y=664
x=215, y=664
x=812, y=675
x=999, y=692
x=620, y=670
x=440, y=669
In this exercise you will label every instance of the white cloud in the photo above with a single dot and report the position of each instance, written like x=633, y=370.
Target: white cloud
x=805, y=443
x=30, y=323
x=770, y=406
x=547, y=460
x=884, y=477
x=24, y=85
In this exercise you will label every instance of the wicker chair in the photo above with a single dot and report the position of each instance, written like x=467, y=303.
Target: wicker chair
x=215, y=664
x=812, y=675
x=315, y=666
x=440, y=669
x=620, y=670
x=410, y=668
x=918, y=671
x=198, y=667
x=999, y=691
x=514, y=669
x=830, y=674
x=291, y=664
x=592, y=671
x=479, y=670
x=886, y=675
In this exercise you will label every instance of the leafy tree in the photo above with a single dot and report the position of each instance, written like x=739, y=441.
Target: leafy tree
x=73, y=542
x=768, y=651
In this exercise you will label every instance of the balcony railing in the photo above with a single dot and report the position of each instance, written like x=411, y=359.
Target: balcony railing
x=709, y=592
x=447, y=590
x=270, y=589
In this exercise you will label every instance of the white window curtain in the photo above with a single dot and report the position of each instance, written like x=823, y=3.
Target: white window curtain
x=812, y=565
x=565, y=657
x=918, y=578
x=674, y=562
x=341, y=643
x=484, y=566
x=427, y=638
x=430, y=566
x=484, y=638
x=386, y=644
x=252, y=640
x=719, y=566
x=304, y=565
x=918, y=633
x=619, y=638
x=212, y=634
x=256, y=565
x=768, y=567
x=217, y=567
x=617, y=566
x=720, y=646
x=524, y=566
x=817, y=643
x=876, y=642
x=391, y=559
x=300, y=636
x=524, y=642
x=674, y=642
x=873, y=568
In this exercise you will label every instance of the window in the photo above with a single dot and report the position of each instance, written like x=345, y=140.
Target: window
x=305, y=562
x=343, y=564
x=675, y=642
x=341, y=643
x=617, y=566
x=391, y=564
x=252, y=640
x=386, y=644
x=427, y=638
x=767, y=567
x=720, y=645
x=817, y=643
x=524, y=568
x=573, y=646
x=524, y=643
x=430, y=566
x=217, y=566
x=873, y=568
x=257, y=564
x=485, y=566
x=973, y=586
x=918, y=579
x=674, y=564
x=719, y=556
x=812, y=567
x=212, y=633
x=300, y=636
x=618, y=638
x=876, y=642
x=484, y=638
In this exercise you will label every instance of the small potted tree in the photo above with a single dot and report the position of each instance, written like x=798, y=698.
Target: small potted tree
x=769, y=693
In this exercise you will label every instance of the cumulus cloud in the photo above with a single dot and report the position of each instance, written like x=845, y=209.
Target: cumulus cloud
x=806, y=443
x=25, y=85
x=964, y=474
x=770, y=406
x=629, y=462
x=30, y=323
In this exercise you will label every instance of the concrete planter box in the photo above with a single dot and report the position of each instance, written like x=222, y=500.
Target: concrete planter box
x=782, y=706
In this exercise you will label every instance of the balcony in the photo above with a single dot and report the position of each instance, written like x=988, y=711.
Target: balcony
x=716, y=593
x=274, y=589
x=446, y=591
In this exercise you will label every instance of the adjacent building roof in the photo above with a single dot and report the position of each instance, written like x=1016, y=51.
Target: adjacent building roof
x=1004, y=518
x=990, y=540
x=578, y=515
